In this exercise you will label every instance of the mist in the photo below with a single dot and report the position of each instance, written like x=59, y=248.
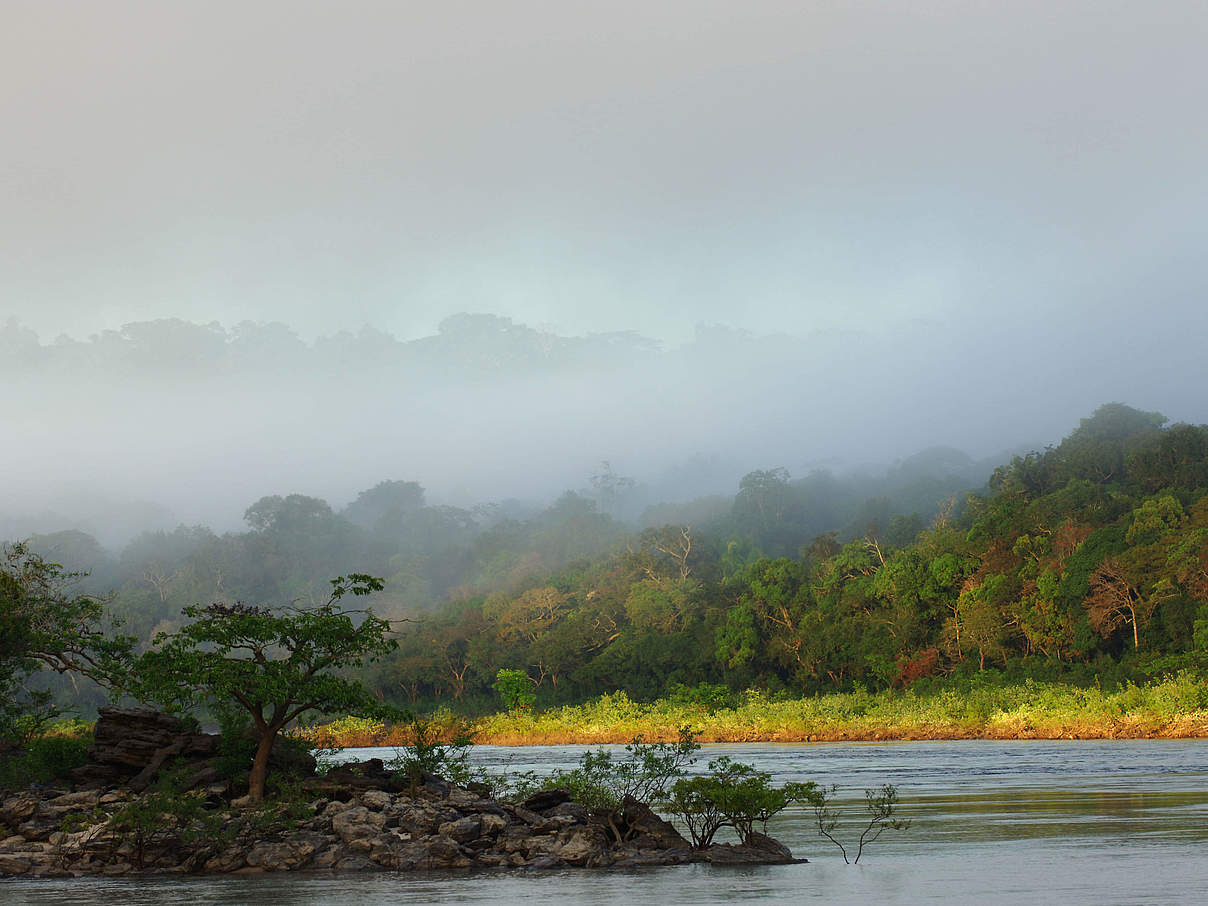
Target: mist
x=238, y=245
x=167, y=422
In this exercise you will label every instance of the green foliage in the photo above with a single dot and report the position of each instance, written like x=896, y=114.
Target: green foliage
x=164, y=812
x=602, y=784
x=732, y=794
x=274, y=664
x=439, y=747
x=805, y=585
x=44, y=759
x=44, y=624
x=515, y=689
x=709, y=697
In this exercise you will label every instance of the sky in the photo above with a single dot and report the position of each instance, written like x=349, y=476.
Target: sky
x=591, y=166
x=1022, y=185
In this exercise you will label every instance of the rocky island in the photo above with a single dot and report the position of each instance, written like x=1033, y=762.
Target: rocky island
x=117, y=816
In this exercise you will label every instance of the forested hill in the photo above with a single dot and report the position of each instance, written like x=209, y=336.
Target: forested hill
x=1090, y=558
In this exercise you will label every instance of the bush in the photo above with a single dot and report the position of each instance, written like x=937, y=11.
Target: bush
x=435, y=747
x=44, y=760
x=732, y=794
x=601, y=784
x=881, y=804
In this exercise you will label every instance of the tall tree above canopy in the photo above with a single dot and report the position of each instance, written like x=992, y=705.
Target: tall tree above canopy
x=385, y=504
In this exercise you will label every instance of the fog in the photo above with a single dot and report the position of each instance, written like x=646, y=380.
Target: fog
x=237, y=243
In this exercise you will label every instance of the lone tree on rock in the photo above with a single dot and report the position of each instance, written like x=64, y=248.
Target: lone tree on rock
x=276, y=664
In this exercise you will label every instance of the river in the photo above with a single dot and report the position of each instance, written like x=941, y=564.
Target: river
x=1068, y=822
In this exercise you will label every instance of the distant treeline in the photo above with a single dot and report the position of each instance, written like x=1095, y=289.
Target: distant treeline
x=1089, y=558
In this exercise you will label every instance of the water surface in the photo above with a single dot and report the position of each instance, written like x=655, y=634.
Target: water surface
x=1090, y=822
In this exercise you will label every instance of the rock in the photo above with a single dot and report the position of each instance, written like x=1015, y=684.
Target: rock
x=229, y=860
x=443, y=852
x=656, y=833
x=357, y=824
x=462, y=800
x=492, y=824
x=355, y=862
x=546, y=799
x=765, y=844
x=376, y=800
x=463, y=829
x=83, y=800
x=572, y=810
x=283, y=856
x=19, y=808
x=131, y=737
x=581, y=845
x=527, y=816
x=758, y=850
x=14, y=865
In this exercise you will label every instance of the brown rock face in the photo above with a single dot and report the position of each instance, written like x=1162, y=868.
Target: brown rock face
x=131, y=737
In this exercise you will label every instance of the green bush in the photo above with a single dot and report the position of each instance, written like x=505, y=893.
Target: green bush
x=732, y=794
x=44, y=760
x=601, y=783
x=440, y=747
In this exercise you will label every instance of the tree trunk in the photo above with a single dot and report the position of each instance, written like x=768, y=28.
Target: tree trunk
x=259, y=774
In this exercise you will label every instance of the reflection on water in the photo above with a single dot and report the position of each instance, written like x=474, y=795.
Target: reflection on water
x=1071, y=822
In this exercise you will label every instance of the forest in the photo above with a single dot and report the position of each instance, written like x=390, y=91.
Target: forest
x=1086, y=562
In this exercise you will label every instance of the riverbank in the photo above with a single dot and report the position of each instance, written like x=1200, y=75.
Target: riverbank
x=1172, y=708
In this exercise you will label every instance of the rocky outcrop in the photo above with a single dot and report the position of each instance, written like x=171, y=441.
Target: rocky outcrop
x=359, y=817
x=132, y=745
x=367, y=830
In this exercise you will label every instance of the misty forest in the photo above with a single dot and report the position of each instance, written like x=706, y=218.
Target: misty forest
x=1086, y=561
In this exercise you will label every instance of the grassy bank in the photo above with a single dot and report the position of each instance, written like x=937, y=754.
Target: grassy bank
x=1173, y=707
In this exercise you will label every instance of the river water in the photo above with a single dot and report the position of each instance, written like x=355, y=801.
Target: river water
x=1068, y=822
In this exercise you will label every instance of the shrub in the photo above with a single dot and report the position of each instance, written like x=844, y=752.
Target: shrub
x=881, y=804
x=602, y=785
x=435, y=747
x=732, y=794
x=45, y=759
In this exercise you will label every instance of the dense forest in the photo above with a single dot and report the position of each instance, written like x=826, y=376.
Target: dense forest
x=1088, y=559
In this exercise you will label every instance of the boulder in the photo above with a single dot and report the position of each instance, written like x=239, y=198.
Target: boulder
x=546, y=799
x=282, y=856
x=581, y=845
x=651, y=830
x=463, y=829
x=357, y=824
x=376, y=800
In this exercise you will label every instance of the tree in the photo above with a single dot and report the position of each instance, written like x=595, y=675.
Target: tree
x=1116, y=600
x=44, y=625
x=385, y=505
x=514, y=687
x=274, y=664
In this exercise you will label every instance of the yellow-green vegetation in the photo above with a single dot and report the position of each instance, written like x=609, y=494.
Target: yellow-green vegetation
x=1175, y=706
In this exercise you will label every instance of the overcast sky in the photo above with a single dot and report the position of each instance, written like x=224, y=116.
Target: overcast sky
x=600, y=166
